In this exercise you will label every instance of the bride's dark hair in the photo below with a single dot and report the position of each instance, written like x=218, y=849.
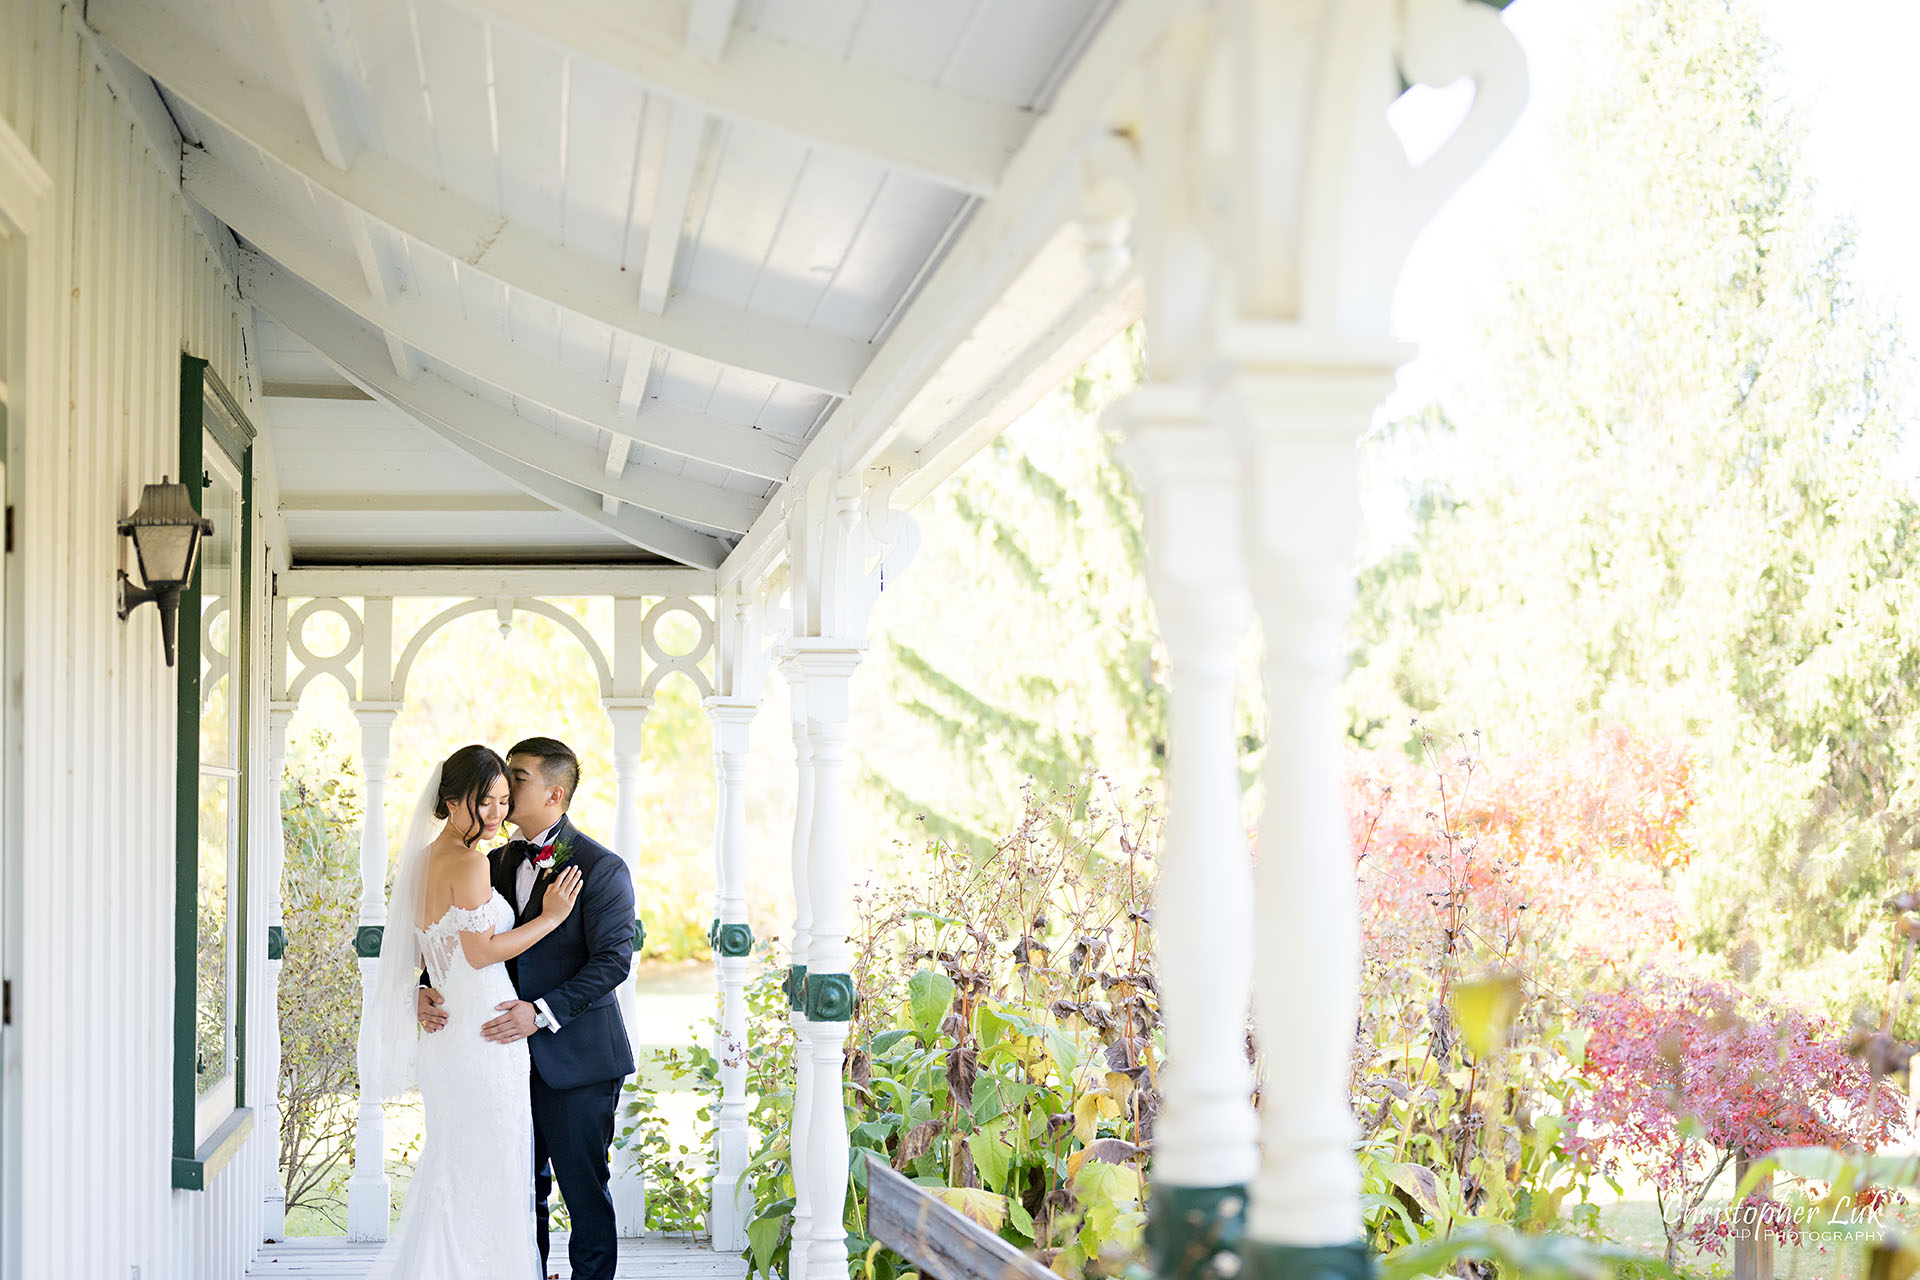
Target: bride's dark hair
x=468, y=775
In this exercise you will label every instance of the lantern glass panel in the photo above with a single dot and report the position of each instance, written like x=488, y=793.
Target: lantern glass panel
x=164, y=550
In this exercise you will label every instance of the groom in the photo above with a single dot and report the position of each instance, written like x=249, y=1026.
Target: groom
x=567, y=1012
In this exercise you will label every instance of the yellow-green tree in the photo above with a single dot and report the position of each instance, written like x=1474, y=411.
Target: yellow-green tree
x=1664, y=488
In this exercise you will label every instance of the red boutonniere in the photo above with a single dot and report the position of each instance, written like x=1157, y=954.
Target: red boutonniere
x=551, y=855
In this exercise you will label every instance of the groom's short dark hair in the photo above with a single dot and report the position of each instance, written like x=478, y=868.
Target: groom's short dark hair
x=559, y=767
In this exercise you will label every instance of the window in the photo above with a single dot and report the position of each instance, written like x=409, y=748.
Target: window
x=210, y=1122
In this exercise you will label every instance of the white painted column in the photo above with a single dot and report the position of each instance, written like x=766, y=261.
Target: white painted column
x=828, y=665
x=800, y=1127
x=629, y=718
x=369, y=1193
x=1204, y=1137
x=279, y=718
x=733, y=948
x=1302, y=421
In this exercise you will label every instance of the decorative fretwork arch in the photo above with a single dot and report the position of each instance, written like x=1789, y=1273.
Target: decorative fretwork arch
x=603, y=670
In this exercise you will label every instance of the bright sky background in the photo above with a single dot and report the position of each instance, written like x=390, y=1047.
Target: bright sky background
x=1848, y=69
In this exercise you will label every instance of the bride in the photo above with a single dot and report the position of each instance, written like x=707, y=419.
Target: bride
x=469, y=1210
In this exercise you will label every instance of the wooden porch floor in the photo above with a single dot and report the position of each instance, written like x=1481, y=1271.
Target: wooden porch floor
x=335, y=1258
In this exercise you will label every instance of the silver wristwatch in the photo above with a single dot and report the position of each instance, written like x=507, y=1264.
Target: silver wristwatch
x=540, y=1018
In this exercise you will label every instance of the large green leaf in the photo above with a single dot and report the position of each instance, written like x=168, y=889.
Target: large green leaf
x=929, y=994
x=1108, y=1185
x=763, y=1237
x=992, y=1149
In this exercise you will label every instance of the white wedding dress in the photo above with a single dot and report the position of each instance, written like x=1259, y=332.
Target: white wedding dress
x=469, y=1210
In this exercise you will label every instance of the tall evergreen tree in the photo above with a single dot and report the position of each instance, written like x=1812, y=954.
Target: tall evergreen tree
x=1665, y=488
x=1022, y=645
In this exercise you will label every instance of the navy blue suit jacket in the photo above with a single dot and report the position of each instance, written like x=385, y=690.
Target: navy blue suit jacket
x=577, y=968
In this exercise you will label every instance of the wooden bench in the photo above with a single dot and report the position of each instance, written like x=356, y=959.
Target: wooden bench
x=941, y=1242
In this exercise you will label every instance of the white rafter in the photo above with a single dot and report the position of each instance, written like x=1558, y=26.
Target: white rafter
x=709, y=24
x=952, y=138
x=305, y=38
x=345, y=345
x=686, y=133
x=510, y=252
x=472, y=350
x=479, y=428
x=998, y=241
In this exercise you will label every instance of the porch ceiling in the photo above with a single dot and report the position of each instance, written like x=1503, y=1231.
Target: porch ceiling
x=584, y=281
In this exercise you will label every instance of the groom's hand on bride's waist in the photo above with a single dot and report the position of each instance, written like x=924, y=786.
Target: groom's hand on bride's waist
x=426, y=1007
x=514, y=1023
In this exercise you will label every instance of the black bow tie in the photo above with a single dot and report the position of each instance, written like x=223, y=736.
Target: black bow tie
x=515, y=850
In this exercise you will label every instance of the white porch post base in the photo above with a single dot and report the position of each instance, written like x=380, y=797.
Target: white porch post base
x=1205, y=1150
x=733, y=948
x=797, y=1268
x=827, y=1148
x=829, y=665
x=369, y=1192
x=1303, y=423
x=800, y=1128
x=628, y=1180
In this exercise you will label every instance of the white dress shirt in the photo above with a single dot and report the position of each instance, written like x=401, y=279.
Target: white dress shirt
x=522, y=891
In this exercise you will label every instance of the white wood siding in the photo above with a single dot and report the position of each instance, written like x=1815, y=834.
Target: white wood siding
x=130, y=281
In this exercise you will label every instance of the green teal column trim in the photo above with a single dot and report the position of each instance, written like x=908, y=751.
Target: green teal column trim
x=1190, y=1228
x=276, y=941
x=829, y=997
x=366, y=941
x=796, y=987
x=734, y=940
x=1262, y=1261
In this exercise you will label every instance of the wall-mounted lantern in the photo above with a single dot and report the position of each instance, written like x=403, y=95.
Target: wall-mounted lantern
x=166, y=533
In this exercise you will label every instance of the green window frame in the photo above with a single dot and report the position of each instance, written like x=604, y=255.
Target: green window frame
x=210, y=1119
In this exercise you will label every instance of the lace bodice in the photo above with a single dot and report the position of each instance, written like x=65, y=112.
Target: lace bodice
x=440, y=941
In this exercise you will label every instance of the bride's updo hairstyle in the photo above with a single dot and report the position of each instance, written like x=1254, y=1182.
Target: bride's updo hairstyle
x=468, y=775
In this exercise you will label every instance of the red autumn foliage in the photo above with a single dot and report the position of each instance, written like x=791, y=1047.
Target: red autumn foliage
x=1686, y=1074
x=1578, y=840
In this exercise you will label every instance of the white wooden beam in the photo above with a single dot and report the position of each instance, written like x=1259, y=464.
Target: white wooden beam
x=350, y=349
x=616, y=462
x=945, y=136
x=306, y=315
x=481, y=582
x=510, y=252
x=306, y=38
x=490, y=357
x=686, y=134
x=709, y=23
x=986, y=257
x=358, y=504
x=634, y=379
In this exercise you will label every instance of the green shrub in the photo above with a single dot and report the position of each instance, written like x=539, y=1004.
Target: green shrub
x=319, y=983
